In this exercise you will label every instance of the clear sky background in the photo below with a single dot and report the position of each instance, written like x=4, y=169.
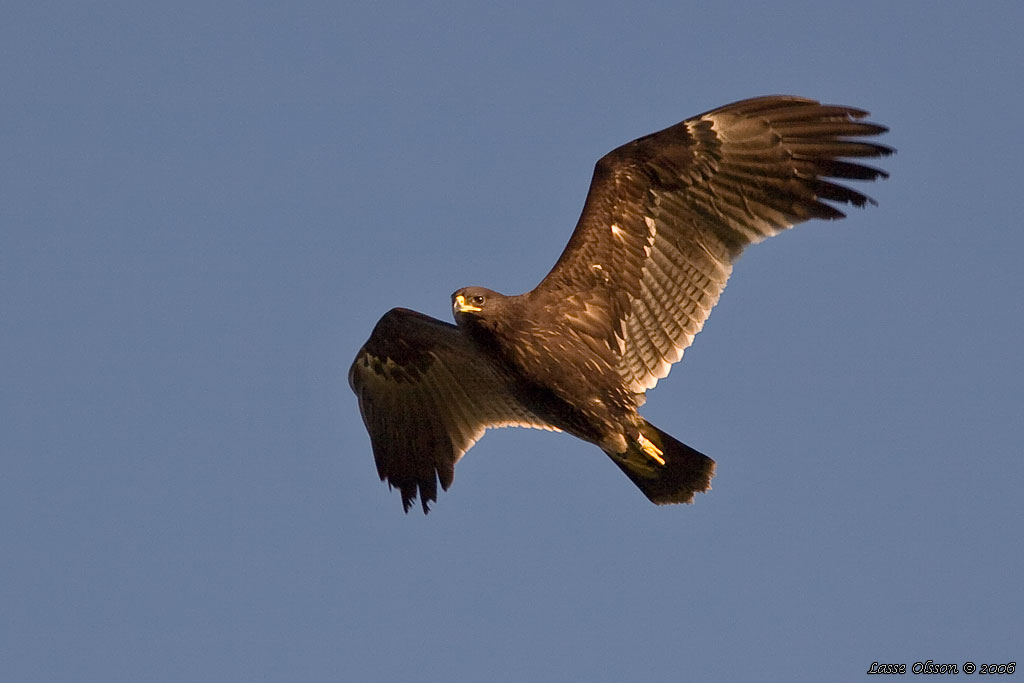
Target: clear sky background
x=205, y=207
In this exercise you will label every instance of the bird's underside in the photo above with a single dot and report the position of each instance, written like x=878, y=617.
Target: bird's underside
x=664, y=220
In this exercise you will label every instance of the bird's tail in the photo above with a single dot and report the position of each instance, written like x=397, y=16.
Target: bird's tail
x=666, y=470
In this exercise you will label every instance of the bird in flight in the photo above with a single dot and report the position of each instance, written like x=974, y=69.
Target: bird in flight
x=664, y=220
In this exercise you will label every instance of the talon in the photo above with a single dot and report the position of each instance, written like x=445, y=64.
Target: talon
x=650, y=449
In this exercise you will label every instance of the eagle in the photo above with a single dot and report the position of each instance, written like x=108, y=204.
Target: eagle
x=665, y=218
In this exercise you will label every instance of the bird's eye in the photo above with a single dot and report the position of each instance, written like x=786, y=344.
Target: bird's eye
x=478, y=300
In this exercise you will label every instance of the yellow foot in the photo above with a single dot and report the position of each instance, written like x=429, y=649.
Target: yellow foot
x=651, y=450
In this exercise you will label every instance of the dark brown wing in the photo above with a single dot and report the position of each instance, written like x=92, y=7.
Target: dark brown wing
x=426, y=396
x=667, y=215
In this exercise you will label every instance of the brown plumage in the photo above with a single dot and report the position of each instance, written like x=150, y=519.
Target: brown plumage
x=665, y=218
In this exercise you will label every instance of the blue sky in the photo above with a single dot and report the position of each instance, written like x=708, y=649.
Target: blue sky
x=205, y=207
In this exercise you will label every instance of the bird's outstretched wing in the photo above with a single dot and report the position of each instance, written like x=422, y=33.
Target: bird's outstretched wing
x=667, y=214
x=426, y=396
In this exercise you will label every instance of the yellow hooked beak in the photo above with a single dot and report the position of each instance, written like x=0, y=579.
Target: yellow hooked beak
x=462, y=307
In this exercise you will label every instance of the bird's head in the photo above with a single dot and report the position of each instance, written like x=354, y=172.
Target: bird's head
x=477, y=303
